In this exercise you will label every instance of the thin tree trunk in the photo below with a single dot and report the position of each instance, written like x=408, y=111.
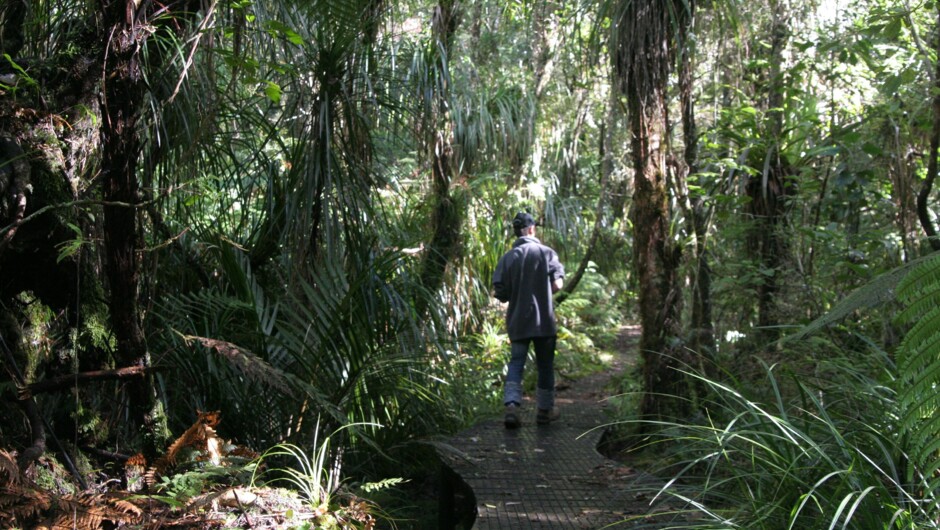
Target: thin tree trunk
x=447, y=216
x=543, y=47
x=923, y=198
x=568, y=184
x=702, y=332
x=769, y=190
x=572, y=283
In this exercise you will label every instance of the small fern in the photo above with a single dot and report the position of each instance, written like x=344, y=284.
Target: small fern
x=371, y=487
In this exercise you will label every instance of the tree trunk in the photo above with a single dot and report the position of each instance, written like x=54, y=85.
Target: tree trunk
x=923, y=198
x=122, y=100
x=543, y=46
x=447, y=216
x=702, y=339
x=643, y=67
x=571, y=156
x=572, y=283
x=770, y=189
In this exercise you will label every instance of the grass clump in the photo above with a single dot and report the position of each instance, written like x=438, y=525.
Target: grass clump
x=828, y=456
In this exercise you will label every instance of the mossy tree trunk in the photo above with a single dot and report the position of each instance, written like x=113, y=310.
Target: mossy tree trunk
x=121, y=105
x=643, y=60
x=448, y=208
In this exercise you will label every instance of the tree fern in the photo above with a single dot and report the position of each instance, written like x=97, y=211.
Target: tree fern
x=919, y=373
x=876, y=292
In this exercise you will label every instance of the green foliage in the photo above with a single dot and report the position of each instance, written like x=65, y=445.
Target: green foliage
x=180, y=488
x=592, y=308
x=285, y=145
x=23, y=82
x=71, y=247
x=317, y=478
x=880, y=290
x=835, y=448
x=827, y=459
x=344, y=341
x=371, y=487
x=919, y=375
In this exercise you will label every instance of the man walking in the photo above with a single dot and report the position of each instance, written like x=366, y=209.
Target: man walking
x=526, y=277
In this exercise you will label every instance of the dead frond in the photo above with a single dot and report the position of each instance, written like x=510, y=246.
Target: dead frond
x=255, y=368
x=9, y=471
x=92, y=512
x=200, y=436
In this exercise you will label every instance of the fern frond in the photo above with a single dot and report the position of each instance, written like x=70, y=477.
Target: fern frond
x=919, y=399
x=20, y=502
x=9, y=471
x=76, y=512
x=371, y=487
x=878, y=291
x=925, y=276
x=126, y=507
x=919, y=372
x=925, y=328
x=925, y=301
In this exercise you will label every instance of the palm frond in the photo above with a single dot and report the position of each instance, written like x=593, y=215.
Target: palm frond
x=239, y=368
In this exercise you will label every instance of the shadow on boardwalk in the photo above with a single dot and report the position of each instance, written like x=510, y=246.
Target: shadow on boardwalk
x=547, y=476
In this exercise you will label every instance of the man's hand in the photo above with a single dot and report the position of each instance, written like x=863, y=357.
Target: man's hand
x=556, y=285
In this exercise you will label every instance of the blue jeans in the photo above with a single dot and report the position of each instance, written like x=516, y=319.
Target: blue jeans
x=545, y=363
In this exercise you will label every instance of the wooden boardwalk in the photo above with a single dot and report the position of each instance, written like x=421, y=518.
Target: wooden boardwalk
x=545, y=476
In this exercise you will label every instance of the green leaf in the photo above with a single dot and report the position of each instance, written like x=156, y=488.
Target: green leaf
x=891, y=85
x=872, y=149
x=824, y=150
x=873, y=30
x=279, y=29
x=273, y=91
x=70, y=247
x=909, y=75
x=851, y=137
x=893, y=30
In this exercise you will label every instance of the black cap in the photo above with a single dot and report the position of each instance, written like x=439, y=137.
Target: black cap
x=522, y=220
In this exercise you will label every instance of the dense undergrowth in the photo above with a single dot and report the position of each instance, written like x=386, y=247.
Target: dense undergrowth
x=837, y=433
x=349, y=474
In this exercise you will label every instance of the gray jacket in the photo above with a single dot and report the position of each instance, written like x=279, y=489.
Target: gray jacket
x=524, y=277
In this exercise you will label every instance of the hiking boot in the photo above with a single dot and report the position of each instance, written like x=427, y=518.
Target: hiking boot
x=546, y=416
x=511, y=420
